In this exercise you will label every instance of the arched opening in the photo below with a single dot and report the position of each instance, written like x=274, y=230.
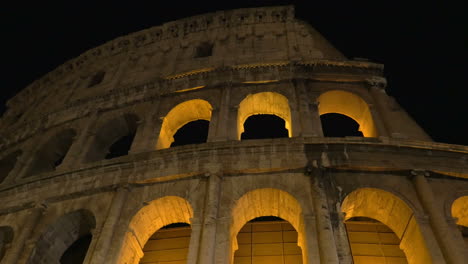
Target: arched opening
x=338, y=125
x=180, y=115
x=392, y=212
x=264, y=126
x=51, y=154
x=157, y=215
x=6, y=236
x=460, y=213
x=264, y=103
x=113, y=139
x=267, y=240
x=7, y=164
x=351, y=105
x=373, y=242
x=275, y=205
x=66, y=240
x=169, y=244
x=195, y=132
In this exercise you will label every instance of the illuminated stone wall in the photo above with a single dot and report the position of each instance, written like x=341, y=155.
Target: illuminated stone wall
x=222, y=67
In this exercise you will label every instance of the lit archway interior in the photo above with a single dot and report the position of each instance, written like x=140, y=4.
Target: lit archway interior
x=349, y=104
x=143, y=226
x=392, y=212
x=265, y=103
x=180, y=115
x=66, y=240
x=260, y=203
x=460, y=212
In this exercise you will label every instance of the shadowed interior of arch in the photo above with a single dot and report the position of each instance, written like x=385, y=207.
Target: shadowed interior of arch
x=121, y=147
x=267, y=239
x=264, y=126
x=51, y=154
x=7, y=163
x=372, y=242
x=195, y=132
x=339, y=125
x=76, y=252
x=169, y=244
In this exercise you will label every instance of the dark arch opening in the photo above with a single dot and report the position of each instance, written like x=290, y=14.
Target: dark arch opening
x=195, y=132
x=113, y=139
x=6, y=236
x=76, y=252
x=264, y=126
x=52, y=153
x=8, y=163
x=266, y=219
x=121, y=147
x=205, y=49
x=338, y=125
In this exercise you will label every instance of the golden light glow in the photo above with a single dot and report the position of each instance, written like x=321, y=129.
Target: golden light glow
x=394, y=213
x=351, y=105
x=180, y=115
x=267, y=202
x=260, y=82
x=152, y=217
x=264, y=103
x=460, y=210
x=190, y=89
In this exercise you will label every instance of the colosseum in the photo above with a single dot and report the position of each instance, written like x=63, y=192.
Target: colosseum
x=145, y=150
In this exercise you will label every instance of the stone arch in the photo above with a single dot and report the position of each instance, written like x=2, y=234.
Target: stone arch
x=109, y=133
x=60, y=235
x=52, y=152
x=460, y=210
x=180, y=115
x=267, y=202
x=7, y=164
x=155, y=215
x=351, y=105
x=6, y=237
x=270, y=103
x=393, y=212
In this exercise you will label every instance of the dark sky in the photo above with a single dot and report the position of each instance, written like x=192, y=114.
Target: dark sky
x=424, y=46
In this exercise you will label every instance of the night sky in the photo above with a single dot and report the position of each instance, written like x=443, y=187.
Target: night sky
x=424, y=47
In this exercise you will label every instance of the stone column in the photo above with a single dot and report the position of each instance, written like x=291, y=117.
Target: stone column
x=23, y=246
x=194, y=245
x=95, y=237
x=310, y=248
x=220, y=124
x=452, y=251
x=309, y=117
x=106, y=236
x=327, y=246
x=209, y=225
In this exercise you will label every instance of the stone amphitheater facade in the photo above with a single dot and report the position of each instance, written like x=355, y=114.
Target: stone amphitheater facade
x=57, y=184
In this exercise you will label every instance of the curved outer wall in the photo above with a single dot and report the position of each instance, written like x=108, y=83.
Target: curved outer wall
x=129, y=85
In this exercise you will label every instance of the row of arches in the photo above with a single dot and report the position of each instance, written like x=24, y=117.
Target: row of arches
x=265, y=226
x=259, y=115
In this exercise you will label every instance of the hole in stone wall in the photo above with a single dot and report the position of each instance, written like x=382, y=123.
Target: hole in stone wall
x=76, y=253
x=195, y=132
x=8, y=163
x=96, y=79
x=121, y=147
x=51, y=154
x=338, y=125
x=6, y=236
x=373, y=242
x=113, y=139
x=168, y=245
x=264, y=126
x=205, y=49
x=268, y=239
